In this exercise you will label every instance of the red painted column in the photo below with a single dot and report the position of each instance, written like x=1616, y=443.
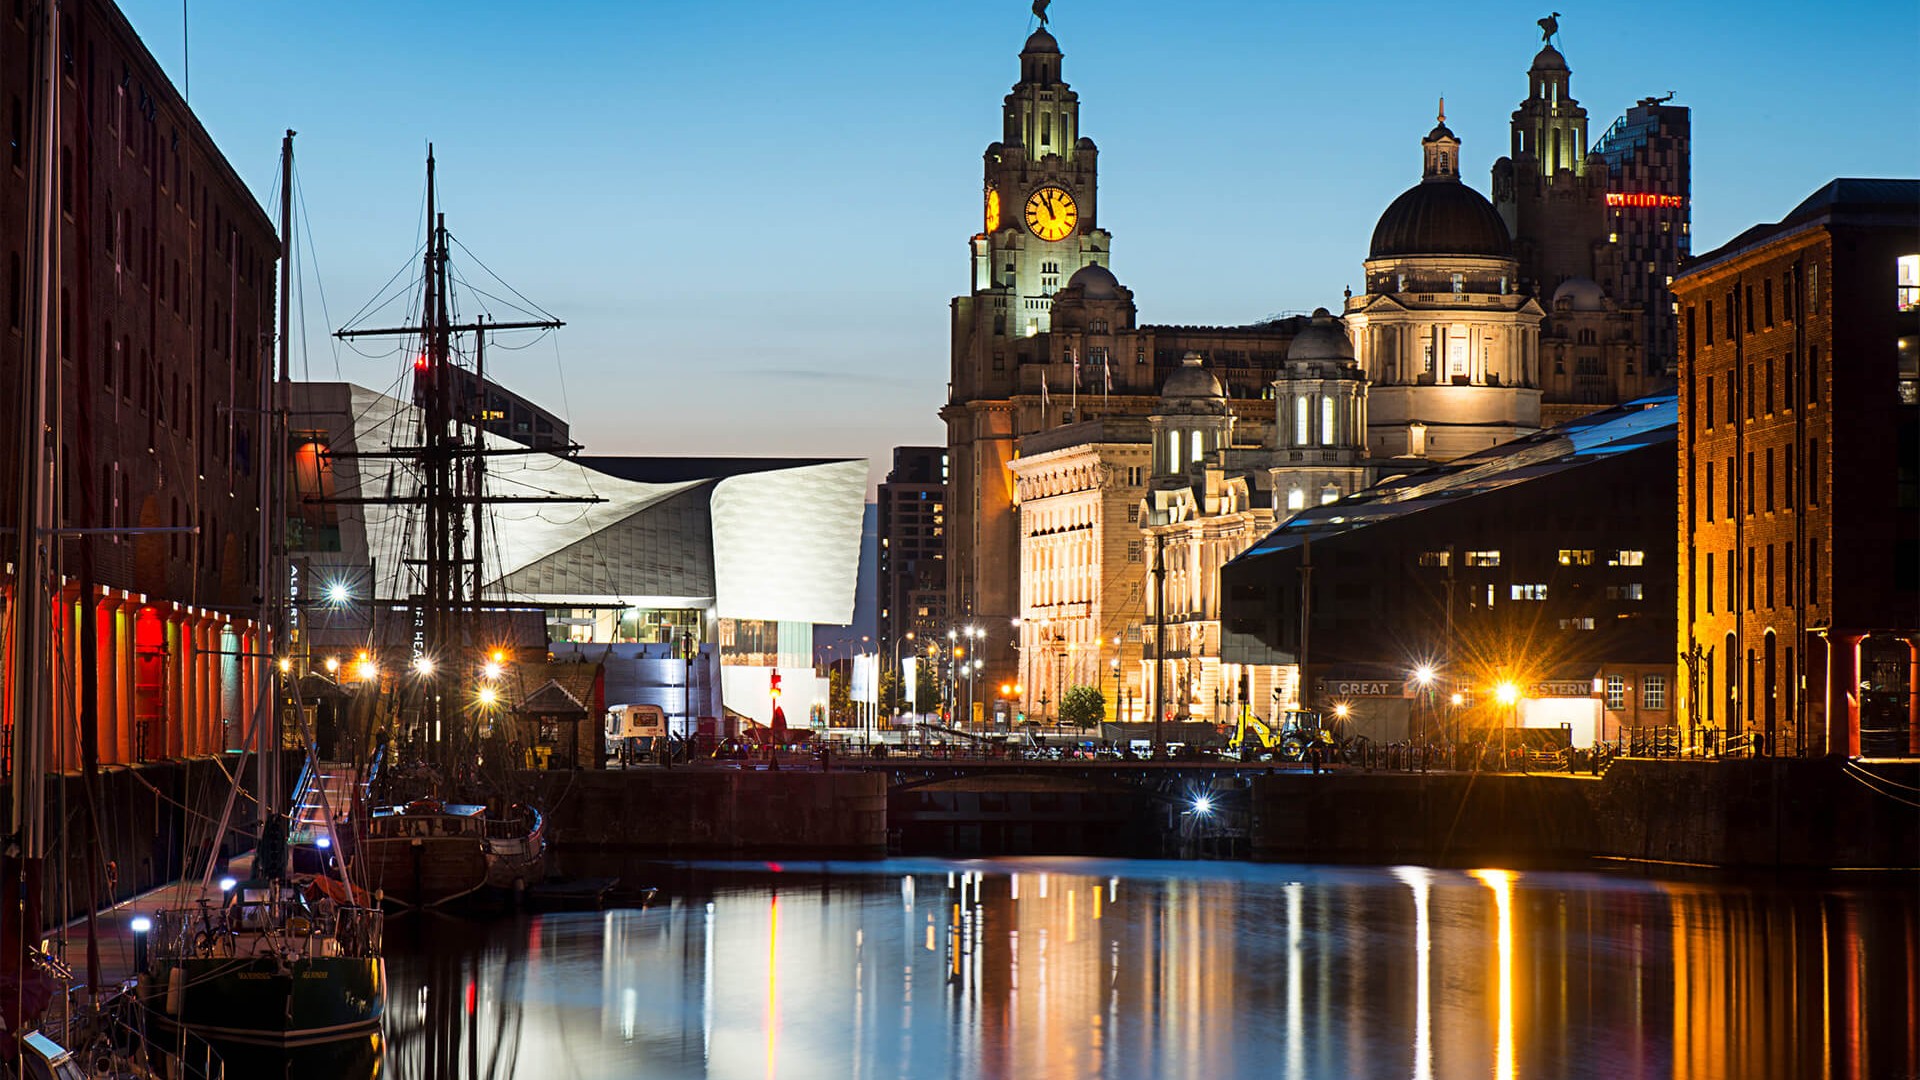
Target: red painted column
x=174, y=726
x=106, y=677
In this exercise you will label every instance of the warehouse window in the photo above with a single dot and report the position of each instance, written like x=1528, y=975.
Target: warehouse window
x=1653, y=692
x=1616, y=691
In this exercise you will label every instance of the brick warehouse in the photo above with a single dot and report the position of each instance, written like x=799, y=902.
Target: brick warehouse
x=161, y=326
x=1800, y=476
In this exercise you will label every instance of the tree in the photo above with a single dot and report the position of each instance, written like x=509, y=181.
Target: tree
x=1083, y=706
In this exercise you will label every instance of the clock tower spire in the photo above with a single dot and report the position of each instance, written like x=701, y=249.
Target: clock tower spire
x=1039, y=225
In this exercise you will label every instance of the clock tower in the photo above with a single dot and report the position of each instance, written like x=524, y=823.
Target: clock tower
x=1039, y=224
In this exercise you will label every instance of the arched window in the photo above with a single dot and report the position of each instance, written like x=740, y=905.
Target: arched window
x=1296, y=498
x=1326, y=420
x=1199, y=449
x=1328, y=494
x=1300, y=435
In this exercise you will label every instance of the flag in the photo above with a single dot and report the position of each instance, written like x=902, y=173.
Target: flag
x=1106, y=365
x=1043, y=390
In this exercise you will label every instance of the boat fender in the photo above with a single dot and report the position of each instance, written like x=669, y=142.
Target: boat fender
x=176, y=989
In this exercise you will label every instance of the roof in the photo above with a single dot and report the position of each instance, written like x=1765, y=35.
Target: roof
x=554, y=700
x=1440, y=217
x=1885, y=203
x=754, y=538
x=1638, y=424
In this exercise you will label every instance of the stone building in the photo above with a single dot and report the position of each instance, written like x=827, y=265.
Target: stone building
x=1448, y=342
x=1556, y=199
x=158, y=313
x=1799, y=457
x=1077, y=489
x=1047, y=336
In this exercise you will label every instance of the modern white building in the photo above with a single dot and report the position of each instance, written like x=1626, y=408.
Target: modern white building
x=695, y=579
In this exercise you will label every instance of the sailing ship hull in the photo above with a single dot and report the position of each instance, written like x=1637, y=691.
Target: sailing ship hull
x=254, y=1000
x=424, y=871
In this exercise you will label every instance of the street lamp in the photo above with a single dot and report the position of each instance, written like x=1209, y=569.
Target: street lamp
x=1509, y=696
x=1115, y=665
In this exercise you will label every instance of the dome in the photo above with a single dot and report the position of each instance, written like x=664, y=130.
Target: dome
x=1323, y=338
x=1442, y=217
x=1043, y=42
x=1191, y=380
x=1582, y=294
x=1548, y=59
x=1095, y=282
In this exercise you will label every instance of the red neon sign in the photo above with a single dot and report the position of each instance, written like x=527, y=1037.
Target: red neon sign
x=1617, y=198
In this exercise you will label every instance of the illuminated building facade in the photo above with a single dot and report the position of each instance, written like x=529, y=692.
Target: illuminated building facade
x=1649, y=156
x=1082, y=565
x=1800, y=476
x=692, y=579
x=157, y=315
x=1449, y=343
x=1047, y=336
x=1538, y=563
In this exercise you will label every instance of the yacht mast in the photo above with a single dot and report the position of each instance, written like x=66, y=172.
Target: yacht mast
x=34, y=557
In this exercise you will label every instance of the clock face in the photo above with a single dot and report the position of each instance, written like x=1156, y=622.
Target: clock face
x=993, y=210
x=1051, y=213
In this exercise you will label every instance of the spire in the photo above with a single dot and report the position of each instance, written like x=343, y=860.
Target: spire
x=1442, y=148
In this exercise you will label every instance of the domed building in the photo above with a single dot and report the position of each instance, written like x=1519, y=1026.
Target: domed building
x=1447, y=341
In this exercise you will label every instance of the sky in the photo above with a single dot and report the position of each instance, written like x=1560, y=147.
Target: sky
x=753, y=216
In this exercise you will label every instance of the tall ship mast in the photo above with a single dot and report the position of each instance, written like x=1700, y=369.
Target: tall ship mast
x=432, y=842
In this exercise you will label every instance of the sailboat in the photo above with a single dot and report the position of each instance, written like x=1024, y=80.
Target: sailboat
x=269, y=960
x=433, y=846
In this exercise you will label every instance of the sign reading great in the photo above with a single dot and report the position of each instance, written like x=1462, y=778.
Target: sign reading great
x=1361, y=687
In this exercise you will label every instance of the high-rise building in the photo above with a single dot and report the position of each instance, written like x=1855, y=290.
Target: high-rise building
x=913, y=538
x=1799, y=563
x=1649, y=160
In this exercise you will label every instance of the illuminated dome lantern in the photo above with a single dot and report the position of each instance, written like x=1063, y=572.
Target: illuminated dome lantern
x=1448, y=344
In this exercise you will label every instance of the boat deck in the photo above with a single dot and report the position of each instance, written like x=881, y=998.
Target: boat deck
x=115, y=930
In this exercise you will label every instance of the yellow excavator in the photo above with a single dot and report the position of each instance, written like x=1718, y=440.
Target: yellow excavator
x=1298, y=732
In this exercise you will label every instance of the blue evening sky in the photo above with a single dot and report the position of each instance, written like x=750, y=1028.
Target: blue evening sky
x=753, y=214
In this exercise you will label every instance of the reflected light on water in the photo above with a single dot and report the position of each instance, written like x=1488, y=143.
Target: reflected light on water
x=1501, y=882
x=1420, y=880
x=1210, y=970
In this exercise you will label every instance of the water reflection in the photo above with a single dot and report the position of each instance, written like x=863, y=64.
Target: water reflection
x=1128, y=969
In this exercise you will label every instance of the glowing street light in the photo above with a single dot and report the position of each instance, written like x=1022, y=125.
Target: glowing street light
x=1423, y=675
x=333, y=664
x=488, y=695
x=338, y=593
x=1507, y=693
x=367, y=669
x=490, y=669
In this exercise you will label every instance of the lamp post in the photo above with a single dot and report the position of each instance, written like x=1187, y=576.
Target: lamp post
x=1115, y=664
x=1509, y=696
x=1423, y=676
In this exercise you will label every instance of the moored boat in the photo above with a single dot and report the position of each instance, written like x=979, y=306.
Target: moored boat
x=269, y=966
